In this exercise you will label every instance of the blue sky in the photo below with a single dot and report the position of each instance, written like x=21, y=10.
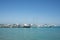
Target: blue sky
x=30, y=11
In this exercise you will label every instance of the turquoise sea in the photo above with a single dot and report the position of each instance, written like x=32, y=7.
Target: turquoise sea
x=29, y=33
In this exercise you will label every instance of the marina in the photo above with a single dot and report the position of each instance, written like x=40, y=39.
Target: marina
x=28, y=26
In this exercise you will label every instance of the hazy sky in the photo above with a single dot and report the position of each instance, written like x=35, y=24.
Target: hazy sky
x=30, y=11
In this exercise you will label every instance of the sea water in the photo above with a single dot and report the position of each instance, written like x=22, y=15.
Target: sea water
x=29, y=33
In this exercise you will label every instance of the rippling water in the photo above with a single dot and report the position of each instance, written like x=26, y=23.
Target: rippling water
x=29, y=33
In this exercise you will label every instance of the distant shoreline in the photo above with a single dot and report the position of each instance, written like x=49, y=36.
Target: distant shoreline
x=28, y=26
